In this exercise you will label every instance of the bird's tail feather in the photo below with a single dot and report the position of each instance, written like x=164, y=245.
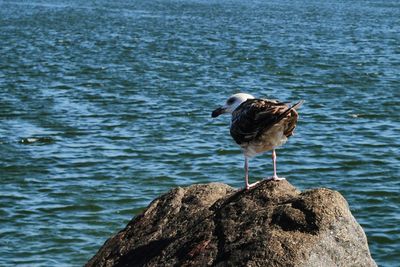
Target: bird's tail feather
x=281, y=117
x=295, y=106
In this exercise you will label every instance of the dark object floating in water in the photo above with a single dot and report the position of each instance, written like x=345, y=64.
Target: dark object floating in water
x=36, y=140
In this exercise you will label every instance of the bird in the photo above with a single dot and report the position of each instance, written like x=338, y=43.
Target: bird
x=259, y=125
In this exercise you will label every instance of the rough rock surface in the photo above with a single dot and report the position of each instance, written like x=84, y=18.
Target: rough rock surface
x=272, y=224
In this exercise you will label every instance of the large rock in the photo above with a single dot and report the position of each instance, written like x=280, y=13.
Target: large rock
x=272, y=224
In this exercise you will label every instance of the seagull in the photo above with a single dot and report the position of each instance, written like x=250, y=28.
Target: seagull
x=259, y=125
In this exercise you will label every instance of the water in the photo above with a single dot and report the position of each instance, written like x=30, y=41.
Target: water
x=104, y=106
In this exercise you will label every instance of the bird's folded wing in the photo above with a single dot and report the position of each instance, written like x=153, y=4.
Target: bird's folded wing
x=255, y=116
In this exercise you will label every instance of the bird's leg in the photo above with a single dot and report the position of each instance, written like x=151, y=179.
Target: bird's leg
x=246, y=174
x=275, y=176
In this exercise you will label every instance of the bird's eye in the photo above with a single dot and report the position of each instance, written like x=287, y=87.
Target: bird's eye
x=230, y=101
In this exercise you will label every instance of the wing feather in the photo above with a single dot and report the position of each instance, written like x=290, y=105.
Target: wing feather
x=255, y=116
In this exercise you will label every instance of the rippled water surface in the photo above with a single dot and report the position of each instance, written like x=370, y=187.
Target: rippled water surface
x=105, y=105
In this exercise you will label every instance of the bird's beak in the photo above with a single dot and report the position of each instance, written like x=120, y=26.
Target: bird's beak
x=218, y=112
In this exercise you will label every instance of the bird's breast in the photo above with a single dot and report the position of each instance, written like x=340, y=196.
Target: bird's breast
x=270, y=139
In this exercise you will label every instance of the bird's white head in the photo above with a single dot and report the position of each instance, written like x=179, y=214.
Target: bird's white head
x=231, y=104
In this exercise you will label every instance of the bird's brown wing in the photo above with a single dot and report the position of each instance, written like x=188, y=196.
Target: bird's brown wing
x=255, y=116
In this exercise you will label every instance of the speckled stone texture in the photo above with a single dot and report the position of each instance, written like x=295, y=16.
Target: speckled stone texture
x=272, y=224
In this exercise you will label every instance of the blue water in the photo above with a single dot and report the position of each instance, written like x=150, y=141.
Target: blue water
x=106, y=105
